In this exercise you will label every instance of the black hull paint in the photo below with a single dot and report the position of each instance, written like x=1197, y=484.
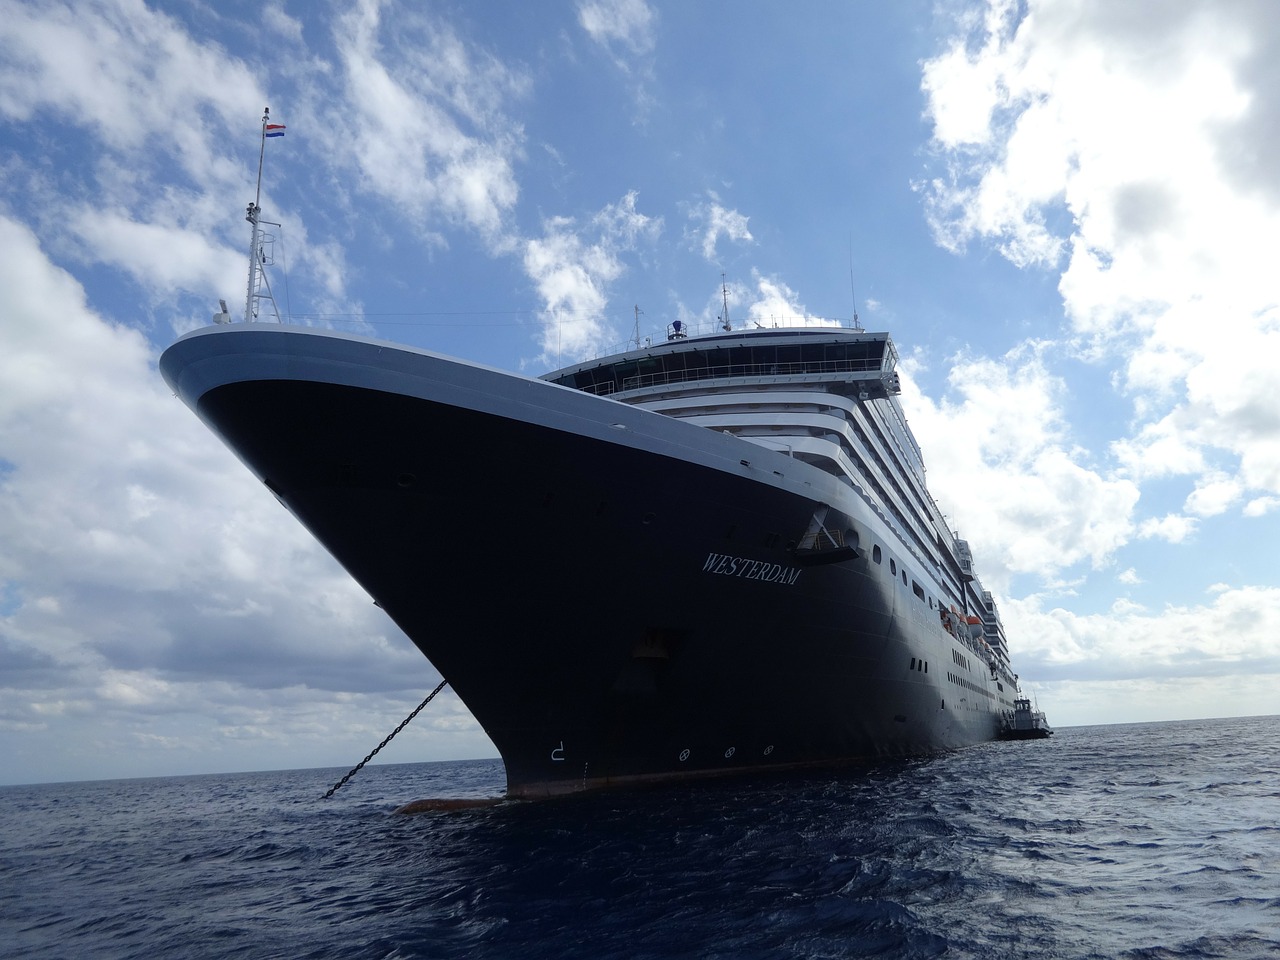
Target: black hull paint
x=571, y=590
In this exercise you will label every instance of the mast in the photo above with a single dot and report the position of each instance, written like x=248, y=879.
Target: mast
x=253, y=214
x=724, y=318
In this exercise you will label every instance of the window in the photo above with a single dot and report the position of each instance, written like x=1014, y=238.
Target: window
x=875, y=553
x=893, y=567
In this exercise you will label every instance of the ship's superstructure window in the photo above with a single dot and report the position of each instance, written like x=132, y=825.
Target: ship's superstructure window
x=785, y=354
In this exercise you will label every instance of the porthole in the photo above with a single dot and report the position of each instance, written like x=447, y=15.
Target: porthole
x=875, y=553
x=893, y=567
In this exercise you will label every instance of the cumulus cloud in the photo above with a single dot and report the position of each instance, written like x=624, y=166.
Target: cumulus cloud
x=1003, y=465
x=573, y=268
x=1173, y=528
x=1124, y=139
x=113, y=94
x=1121, y=145
x=1215, y=637
x=114, y=505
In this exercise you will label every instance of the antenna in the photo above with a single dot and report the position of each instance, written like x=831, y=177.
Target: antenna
x=852, y=293
x=724, y=317
x=636, y=335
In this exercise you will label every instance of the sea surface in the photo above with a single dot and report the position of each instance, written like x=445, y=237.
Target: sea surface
x=1139, y=841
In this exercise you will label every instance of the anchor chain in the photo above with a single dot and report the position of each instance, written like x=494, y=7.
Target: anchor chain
x=374, y=752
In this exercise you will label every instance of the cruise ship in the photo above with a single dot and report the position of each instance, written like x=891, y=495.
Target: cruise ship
x=706, y=555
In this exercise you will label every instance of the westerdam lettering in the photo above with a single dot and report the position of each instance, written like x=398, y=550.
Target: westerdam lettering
x=727, y=566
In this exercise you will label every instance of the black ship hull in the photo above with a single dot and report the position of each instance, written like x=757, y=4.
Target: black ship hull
x=616, y=596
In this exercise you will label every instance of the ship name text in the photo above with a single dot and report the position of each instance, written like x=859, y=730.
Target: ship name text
x=727, y=566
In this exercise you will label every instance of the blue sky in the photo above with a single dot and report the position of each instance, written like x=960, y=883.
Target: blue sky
x=1064, y=213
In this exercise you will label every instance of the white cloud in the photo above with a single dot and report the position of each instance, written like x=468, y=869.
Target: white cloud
x=1171, y=527
x=425, y=122
x=709, y=221
x=129, y=74
x=1002, y=464
x=114, y=504
x=1217, y=638
x=573, y=269
x=1213, y=495
x=165, y=257
x=629, y=23
x=1261, y=506
x=278, y=21
x=774, y=304
x=1127, y=138
x=626, y=30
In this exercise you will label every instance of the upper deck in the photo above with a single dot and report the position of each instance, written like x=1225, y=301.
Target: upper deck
x=849, y=362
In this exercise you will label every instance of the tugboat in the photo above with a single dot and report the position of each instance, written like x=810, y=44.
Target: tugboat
x=1025, y=722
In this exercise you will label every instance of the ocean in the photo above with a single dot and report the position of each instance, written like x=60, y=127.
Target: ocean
x=1152, y=841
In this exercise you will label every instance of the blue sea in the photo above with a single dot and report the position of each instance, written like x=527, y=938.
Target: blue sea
x=1140, y=841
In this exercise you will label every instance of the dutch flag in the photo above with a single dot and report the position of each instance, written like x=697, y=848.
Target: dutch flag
x=275, y=130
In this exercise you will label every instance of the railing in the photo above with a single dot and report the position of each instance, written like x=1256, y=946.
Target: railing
x=819, y=540
x=729, y=371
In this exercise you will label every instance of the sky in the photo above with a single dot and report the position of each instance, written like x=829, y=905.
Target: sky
x=1065, y=213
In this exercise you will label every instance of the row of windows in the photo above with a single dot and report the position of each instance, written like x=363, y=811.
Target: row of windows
x=973, y=687
x=919, y=665
x=961, y=660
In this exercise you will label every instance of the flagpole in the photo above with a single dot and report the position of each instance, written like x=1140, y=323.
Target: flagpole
x=262, y=152
x=252, y=217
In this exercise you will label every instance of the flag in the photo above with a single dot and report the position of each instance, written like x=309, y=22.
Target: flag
x=274, y=129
